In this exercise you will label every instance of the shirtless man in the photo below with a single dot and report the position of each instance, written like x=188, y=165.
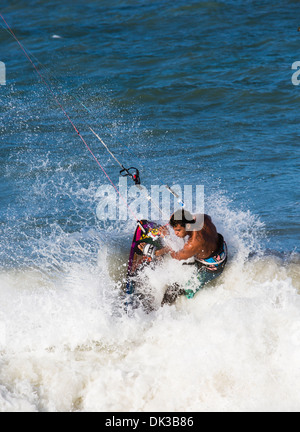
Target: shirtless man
x=204, y=244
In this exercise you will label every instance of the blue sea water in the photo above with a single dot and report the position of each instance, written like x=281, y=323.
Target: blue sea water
x=191, y=93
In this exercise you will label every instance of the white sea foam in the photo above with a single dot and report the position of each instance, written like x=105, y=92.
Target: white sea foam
x=234, y=347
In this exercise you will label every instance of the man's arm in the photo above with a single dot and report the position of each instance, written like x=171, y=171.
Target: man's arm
x=163, y=251
x=186, y=252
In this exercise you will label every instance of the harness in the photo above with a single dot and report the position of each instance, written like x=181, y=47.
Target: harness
x=213, y=263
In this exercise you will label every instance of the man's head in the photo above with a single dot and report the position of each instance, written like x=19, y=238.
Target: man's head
x=181, y=222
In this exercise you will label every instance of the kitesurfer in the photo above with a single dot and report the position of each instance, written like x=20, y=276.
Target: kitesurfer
x=203, y=243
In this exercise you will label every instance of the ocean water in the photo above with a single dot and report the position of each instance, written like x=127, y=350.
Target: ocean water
x=191, y=93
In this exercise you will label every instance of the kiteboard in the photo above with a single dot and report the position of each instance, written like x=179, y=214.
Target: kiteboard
x=146, y=232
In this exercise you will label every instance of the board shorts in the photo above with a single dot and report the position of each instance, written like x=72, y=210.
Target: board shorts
x=206, y=271
x=210, y=268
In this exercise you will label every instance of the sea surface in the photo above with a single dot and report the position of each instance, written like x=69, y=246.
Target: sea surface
x=195, y=93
